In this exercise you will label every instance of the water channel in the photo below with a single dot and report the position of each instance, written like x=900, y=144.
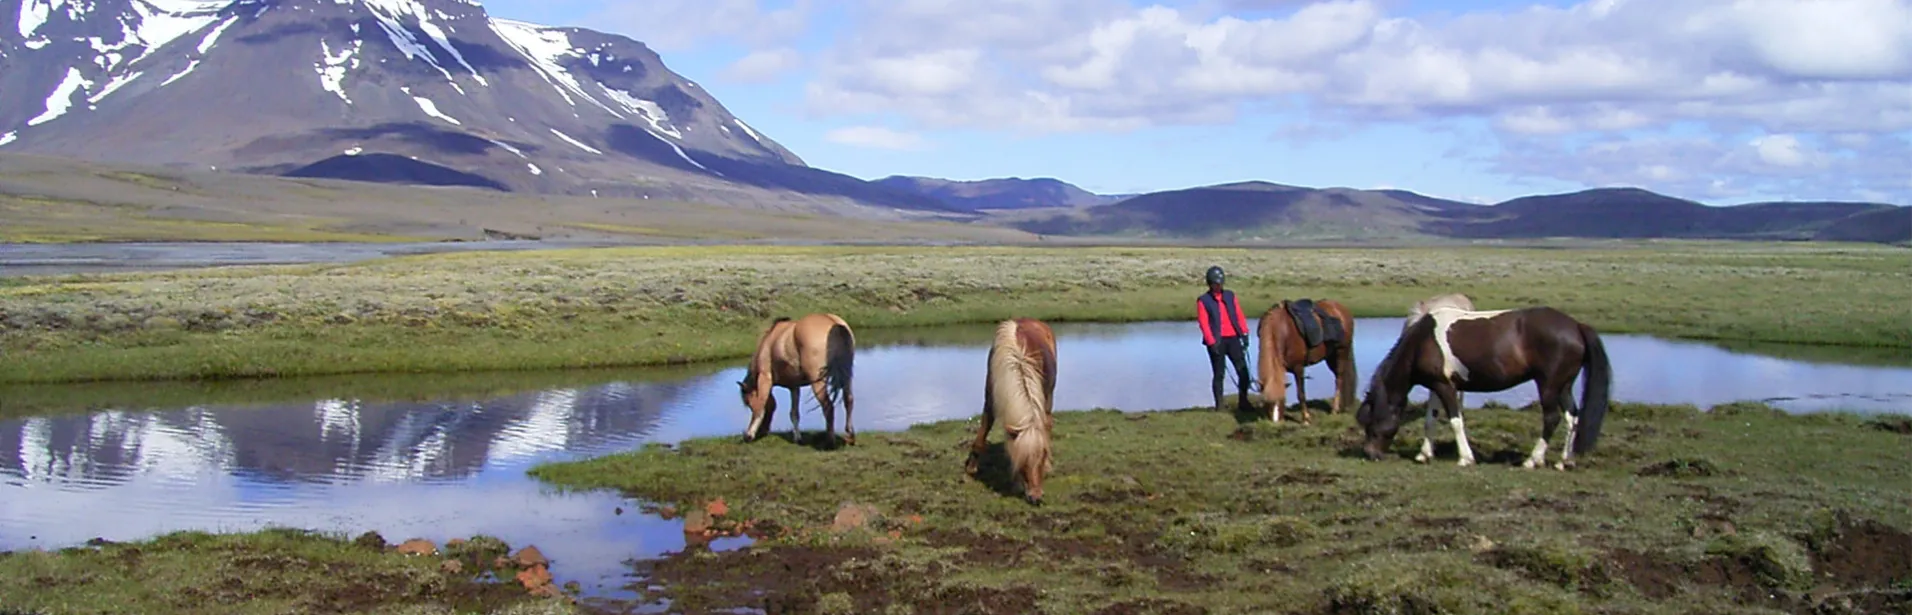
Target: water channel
x=444, y=456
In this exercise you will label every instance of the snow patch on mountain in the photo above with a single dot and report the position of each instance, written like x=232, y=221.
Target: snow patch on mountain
x=654, y=114
x=430, y=108
x=35, y=13
x=162, y=21
x=332, y=68
x=389, y=13
x=61, y=99
x=580, y=144
x=181, y=74
x=507, y=147
x=544, y=46
x=205, y=44
x=115, y=84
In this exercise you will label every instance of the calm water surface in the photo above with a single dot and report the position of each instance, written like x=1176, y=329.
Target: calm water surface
x=452, y=466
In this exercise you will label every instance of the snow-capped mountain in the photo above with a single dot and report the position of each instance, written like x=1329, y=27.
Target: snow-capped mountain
x=418, y=91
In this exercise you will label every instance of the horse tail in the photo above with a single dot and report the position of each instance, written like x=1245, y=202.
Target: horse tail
x=1018, y=397
x=840, y=363
x=1597, y=394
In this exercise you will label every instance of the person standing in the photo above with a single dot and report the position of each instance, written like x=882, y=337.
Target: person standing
x=1225, y=333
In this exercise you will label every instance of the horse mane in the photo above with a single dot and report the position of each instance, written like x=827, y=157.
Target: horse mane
x=1393, y=371
x=1011, y=358
x=762, y=353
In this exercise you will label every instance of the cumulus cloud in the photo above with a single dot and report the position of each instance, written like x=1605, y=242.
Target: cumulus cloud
x=875, y=137
x=1801, y=72
x=765, y=65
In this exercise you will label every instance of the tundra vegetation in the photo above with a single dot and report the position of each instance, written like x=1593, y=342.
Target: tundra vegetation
x=659, y=305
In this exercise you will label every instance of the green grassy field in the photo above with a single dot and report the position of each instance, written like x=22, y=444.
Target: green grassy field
x=1740, y=510
x=271, y=572
x=646, y=306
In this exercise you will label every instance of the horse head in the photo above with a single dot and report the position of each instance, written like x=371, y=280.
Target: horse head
x=761, y=404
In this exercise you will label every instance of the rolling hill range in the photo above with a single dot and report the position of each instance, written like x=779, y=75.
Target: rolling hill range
x=1010, y=193
x=1267, y=211
x=432, y=92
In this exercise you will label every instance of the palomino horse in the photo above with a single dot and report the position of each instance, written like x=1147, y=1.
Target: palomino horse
x=817, y=350
x=1414, y=314
x=1289, y=346
x=1455, y=350
x=1020, y=389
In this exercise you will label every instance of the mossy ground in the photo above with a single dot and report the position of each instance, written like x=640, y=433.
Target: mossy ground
x=1197, y=511
x=271, y=571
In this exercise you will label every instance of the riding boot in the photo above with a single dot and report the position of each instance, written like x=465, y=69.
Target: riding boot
x=1218, y=399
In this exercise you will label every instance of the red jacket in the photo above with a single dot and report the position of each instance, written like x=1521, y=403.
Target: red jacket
x=1227, y=311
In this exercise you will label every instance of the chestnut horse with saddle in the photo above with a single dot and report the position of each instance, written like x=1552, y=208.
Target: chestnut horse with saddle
x=1296, y=334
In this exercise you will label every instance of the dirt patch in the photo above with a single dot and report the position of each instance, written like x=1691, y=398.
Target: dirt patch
x=1153, y=606
x=1865, y=554
x=1897, y=425
x=1307, y=477
x=1660, y=577
x=1682, y=468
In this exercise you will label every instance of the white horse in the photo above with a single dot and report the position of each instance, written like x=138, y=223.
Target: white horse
x=1414, y=314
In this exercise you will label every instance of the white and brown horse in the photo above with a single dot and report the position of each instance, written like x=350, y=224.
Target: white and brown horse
x=818, y=351
x=1019, y=390
x=1414, y=314
x=1453, y=350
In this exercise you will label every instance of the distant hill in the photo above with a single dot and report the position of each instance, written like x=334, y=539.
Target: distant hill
x=1626, y=213
x=1268, y=210
x=1877, y=226
x=1001, y=193
x=1257, y=208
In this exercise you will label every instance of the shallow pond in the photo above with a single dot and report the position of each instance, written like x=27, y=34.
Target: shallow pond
x=126, y=461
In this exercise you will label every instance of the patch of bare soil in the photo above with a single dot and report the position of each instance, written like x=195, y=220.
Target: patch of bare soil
x=794, y=579
x=802, y=579
x=1863, y=566
x=1153, y=606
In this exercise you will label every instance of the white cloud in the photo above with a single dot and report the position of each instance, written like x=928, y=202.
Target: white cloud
x=875, y=137
x=765, y=65
x=1825, y=72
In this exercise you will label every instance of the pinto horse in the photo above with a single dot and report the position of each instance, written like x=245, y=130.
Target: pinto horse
x=1418, y=311
x=1453, y=350
x=1020, y=390
x=817, y=350
x=1286, y=349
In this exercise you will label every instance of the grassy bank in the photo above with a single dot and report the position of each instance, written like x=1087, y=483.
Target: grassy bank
x=278, y=571
x=1740, y=510
x=635, y=306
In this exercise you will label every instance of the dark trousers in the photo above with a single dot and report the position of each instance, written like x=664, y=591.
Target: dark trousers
x=1235, y=349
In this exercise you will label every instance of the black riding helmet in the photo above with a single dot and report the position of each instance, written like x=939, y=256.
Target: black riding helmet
x=1215, y=275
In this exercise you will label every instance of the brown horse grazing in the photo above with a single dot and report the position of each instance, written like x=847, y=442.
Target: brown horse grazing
x=1020, y=389
x=817, y=350
x=1289, y=346
x=1456, y=350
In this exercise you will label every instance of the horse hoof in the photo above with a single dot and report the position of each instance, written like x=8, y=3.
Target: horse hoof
x=1465, y=462
x=1528, y=464
x=1420, y=459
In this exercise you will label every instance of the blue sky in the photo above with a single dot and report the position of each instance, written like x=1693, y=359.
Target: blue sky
x=1721, y=102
